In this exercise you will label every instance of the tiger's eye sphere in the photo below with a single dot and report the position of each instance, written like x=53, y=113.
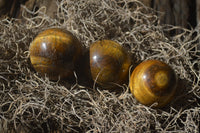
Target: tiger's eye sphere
x=109, y=63
x=153, y=81
x=54, y=52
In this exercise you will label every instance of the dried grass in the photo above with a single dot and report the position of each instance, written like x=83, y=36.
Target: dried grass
x=30, y=103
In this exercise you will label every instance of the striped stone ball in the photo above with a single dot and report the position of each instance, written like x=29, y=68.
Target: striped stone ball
x=109, y=63
x=153, y=82
x=54, y=53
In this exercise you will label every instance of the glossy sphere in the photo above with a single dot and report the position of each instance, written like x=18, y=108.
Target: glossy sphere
x=153, y=81
x=54, y=52
x=109, y=63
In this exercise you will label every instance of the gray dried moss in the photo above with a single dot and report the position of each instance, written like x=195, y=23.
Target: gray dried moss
x=30, y=103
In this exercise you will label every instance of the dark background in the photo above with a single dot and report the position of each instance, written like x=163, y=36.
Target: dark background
x=184, y=13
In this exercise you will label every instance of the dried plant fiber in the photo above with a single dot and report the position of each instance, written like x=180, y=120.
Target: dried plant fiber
x=31, y=103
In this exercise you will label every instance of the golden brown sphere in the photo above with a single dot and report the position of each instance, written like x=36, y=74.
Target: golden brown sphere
x=54, y=52
x=109, y=63
x=153, y=81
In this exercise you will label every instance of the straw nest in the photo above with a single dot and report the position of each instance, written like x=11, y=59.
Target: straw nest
x=30, y=103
